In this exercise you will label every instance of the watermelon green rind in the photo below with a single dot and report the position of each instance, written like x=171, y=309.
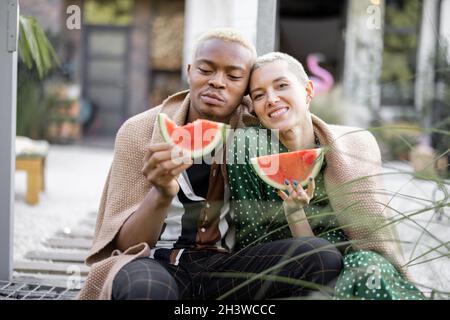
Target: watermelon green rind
x=222, y=128
x=162, y=118
x=304, y=183
x=260, y=173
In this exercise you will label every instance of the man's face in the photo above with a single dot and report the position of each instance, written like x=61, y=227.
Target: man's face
x=218, y=78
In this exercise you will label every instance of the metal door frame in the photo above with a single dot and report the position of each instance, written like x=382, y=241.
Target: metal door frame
x=9, y=33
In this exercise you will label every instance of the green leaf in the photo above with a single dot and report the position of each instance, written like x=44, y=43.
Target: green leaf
x=34, y=47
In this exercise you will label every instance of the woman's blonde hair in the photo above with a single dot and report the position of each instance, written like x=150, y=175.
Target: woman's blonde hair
x=293, y=64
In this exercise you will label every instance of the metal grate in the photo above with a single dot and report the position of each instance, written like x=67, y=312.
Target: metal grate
x=29, y=291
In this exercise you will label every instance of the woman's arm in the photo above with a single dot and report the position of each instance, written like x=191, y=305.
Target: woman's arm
x=293, y=202
x=299, y=225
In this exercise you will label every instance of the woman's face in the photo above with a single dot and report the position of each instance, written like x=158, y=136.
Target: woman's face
x=280, y=100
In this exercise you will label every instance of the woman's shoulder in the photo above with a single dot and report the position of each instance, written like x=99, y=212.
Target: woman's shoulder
x=354, y=135
x=357, y=146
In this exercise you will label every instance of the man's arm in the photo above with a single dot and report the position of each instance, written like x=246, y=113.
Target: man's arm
x=161, y=168
x=145, y=224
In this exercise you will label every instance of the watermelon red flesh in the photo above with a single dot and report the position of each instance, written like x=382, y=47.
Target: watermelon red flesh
x=297, y=165
x=197, y=138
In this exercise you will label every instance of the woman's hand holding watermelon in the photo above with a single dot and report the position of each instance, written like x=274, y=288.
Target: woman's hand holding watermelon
x=294, y=199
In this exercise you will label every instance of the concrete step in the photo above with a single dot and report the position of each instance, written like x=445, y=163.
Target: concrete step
x=57, y=256
x=69, y=243
x=86, y=233
x=51, y=267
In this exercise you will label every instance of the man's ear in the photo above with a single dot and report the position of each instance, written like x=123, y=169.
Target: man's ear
x=188, y=70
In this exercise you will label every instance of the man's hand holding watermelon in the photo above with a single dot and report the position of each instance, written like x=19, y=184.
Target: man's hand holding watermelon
x=162, y=166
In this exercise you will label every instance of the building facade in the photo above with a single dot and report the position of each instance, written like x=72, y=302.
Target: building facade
x=128, y=55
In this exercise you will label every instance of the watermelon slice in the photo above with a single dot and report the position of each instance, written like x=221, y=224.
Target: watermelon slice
x=297, y=165
x=198, y=138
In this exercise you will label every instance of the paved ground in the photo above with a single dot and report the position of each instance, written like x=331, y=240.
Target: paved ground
x=431, y=230
x=74, y=180
x=75, y=177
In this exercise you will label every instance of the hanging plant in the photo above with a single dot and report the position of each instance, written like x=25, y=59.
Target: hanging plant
x=34, y=46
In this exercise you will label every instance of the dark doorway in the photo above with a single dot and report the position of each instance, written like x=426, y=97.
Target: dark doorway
x=105, y=84
x=306, y=27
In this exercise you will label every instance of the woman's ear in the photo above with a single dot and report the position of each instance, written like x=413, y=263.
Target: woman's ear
x=309, y=87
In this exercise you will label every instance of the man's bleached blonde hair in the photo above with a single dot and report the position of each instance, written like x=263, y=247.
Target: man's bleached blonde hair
x=228, y=35
x=293, y=64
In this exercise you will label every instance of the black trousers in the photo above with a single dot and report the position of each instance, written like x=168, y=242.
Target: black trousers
x=286, y=268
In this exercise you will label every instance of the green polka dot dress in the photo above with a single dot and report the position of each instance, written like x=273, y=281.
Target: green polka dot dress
x=259, y=218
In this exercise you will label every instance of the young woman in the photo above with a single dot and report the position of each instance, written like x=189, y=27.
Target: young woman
x=342, y=204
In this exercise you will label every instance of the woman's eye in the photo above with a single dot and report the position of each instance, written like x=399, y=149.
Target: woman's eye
x=282, y=85
x=257, y=96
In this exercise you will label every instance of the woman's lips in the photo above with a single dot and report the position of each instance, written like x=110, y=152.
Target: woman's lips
x=208, y=99
x=278, y=113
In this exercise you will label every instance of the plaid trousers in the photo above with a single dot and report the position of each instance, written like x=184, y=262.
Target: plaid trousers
x=284, y=268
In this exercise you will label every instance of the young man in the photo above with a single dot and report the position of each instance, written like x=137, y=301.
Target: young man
x=163, y=230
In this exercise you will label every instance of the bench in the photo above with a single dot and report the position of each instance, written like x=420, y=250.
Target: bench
x=30, y=157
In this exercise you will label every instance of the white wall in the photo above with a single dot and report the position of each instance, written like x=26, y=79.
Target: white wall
x=426, y=52
x=444, y=27
x=201, y=15
x=363, y=60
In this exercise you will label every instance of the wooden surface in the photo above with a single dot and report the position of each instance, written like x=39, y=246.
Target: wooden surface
x=34, y=167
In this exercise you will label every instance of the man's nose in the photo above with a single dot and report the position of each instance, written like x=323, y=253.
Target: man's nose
x=217, y=81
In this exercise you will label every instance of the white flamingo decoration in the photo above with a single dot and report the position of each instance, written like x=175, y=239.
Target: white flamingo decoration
x=322, y=79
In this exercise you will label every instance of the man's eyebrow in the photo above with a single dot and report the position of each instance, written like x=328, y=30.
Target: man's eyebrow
x=211, y=63
x=236, y=68
x=205, y=61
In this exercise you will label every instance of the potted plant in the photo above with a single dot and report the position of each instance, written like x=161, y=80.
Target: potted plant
x=37, y=58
